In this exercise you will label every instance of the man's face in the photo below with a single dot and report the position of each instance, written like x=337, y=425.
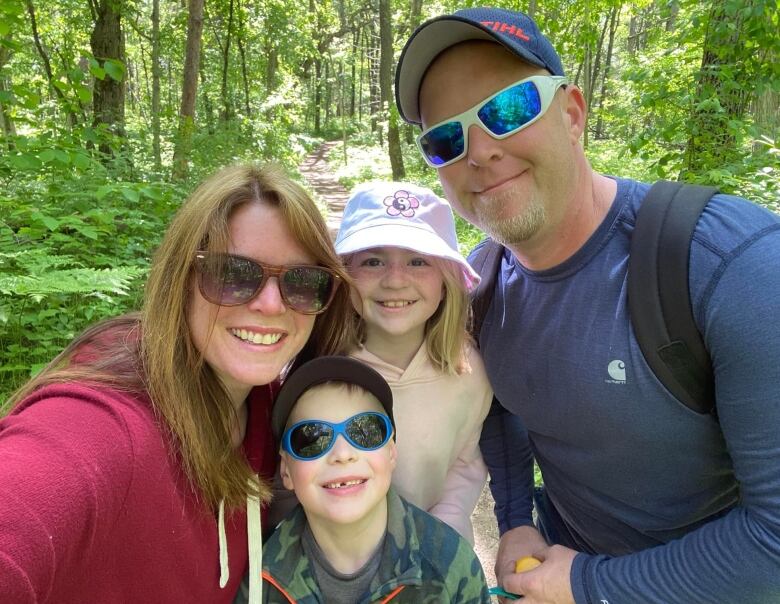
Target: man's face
x=510, y=188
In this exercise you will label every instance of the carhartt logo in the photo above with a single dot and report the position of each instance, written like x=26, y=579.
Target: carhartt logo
x=617, y=371
x=506, y=28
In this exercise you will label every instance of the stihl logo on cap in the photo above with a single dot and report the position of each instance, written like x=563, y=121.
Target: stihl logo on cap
x=506, y=28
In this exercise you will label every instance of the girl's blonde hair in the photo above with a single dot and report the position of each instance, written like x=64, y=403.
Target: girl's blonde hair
x=156, y=354
x=446, y=330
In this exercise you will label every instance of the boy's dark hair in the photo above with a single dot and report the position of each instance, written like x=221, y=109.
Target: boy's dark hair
x=336, y=369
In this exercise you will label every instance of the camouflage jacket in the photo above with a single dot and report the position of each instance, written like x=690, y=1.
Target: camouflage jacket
x=424, y=561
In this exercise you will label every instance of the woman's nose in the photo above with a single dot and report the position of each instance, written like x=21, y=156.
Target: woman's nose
x=269, y=299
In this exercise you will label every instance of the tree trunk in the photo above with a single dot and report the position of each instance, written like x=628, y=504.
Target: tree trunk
x=227, y=111
x=328, y=88
x=725, y=89
x=317, y=93
x=271, y=64
x=181, y=153
x=47, y=64
x=240, y=41
x=9, y=129
x=208, y=106
x=613, y=23
x=385, y=84
x=353, y=71
x=156, y=84
x=108, y=94
x=375, y=99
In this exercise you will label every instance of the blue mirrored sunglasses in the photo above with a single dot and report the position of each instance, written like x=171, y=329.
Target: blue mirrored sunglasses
x=508, y=111
x=313, y=438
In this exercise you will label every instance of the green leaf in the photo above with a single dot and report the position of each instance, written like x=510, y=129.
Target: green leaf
x=131, y=194
x=81, y=161
x=5, y=27
x=6, y=96
x=32, y=100
x=47, y=155
x=84, y=93
x=115, y=69
x=97, y=71
x=90, y=135
x=103, y=191
x=88, y=231
x=151, y=193
x=25, y=161
x=50, y=222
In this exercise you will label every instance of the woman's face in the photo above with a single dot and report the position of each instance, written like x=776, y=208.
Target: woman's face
x=249, y=345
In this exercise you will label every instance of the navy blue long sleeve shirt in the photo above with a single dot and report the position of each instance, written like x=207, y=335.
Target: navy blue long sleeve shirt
x=668, y=506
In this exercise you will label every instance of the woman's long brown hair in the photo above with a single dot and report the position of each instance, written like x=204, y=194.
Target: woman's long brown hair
x=157, y=356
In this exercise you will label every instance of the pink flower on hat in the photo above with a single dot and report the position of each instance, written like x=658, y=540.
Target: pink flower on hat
x=401, y=203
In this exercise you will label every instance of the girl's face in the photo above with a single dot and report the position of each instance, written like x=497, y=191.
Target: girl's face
x=248, y=345
x=396, y=292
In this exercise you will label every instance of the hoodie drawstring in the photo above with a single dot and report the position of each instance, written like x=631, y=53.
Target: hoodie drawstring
x=254, y=537
x=224, y=569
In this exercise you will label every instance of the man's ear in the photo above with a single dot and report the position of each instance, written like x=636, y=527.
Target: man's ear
x=576, y=109
x=284, y=472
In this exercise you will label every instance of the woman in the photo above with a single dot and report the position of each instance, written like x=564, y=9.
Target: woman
x=133, y=466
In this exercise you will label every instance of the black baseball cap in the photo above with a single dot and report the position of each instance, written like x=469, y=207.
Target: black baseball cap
x=328, y=369
x=515, y=31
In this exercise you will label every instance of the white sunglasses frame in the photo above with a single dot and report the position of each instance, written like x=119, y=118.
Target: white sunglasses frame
x=547, y=85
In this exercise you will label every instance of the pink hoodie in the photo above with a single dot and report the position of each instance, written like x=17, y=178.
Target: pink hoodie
x=439, y=421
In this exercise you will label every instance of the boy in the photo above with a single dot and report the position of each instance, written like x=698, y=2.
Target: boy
x=353, y=539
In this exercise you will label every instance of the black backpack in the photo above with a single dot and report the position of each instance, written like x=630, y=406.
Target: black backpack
x=659, y=302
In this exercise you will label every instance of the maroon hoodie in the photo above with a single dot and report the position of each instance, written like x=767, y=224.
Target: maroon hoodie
x=93, y=507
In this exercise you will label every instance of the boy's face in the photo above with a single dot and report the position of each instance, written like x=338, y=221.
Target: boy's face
x=346, y=484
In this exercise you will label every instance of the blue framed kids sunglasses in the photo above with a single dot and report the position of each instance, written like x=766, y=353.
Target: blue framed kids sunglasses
x=508, y=111
x=313, y=438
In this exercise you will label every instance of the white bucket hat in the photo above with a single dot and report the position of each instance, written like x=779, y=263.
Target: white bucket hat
x=402, y=215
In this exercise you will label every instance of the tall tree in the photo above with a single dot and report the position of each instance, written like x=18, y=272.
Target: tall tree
x=9, y=129
x=156, y=84
x=108, y=47
x=181, y=153
x=740, y=45
x=386, y=88
x=227, y=110
x=47, y=63
x=240, y=34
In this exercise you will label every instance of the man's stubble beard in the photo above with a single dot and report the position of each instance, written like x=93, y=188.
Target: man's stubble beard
x=515, y=229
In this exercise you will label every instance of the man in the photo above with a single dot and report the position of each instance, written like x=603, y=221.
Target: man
x=646, y=500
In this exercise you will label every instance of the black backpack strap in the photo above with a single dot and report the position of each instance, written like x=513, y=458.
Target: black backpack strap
x=658, y=292
x=486, y=261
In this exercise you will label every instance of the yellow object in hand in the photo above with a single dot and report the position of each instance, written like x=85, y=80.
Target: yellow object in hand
x=526, y=563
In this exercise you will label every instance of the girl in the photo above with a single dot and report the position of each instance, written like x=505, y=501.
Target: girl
x=411, y=302
x=134, y=465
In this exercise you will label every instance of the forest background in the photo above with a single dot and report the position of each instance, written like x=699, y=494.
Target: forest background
x=112, y=110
